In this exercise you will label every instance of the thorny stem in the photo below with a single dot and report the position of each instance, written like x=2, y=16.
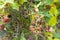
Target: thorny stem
x=38, y=4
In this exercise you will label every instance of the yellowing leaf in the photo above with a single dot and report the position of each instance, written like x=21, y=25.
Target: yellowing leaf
x=4, y=2
x=48, y=33
x=2, y=6
x=22, y=1
x=53, y=11
x=32, y=17
x=52, y=21
x=55, y=0
x=56, y=39
x=7, y=1
x=49, y=38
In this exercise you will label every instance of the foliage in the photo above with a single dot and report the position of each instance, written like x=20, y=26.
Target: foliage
x=38, y=17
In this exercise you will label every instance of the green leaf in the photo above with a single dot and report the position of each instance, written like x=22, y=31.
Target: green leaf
x=22, y=36
x=48, y=2
x=46, y=13
x=7, y=25
x=10, y=31
x=36, y=37
x=15, y=38
x=56, y=35
x=37, y=0
x=15, y=5
x=9, y=1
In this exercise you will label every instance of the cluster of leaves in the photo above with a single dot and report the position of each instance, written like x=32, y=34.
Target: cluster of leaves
x=30, y=16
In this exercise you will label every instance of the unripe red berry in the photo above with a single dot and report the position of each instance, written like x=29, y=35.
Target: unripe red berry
x=5, y=19
x=1, y=26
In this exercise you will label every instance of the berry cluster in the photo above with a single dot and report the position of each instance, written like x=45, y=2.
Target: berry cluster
x=38, y=25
